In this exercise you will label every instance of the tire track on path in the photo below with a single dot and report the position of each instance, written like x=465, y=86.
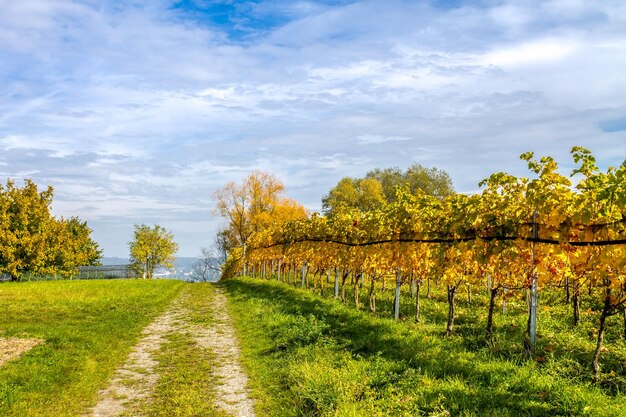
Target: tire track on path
x=233, y=395
x=133, y=383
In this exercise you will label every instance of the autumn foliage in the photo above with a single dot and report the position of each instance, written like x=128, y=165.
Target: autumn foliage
x=544, y=227
x=32, y=240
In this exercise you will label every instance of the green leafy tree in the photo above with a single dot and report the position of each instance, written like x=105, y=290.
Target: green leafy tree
x=33, y=240
x=431, y=181
x=150, y=248
x=365, y=194
x=379, y=186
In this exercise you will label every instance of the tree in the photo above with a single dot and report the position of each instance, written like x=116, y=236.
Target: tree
x=252, y=206
x=209, y=263
x=365, y=194
x=380, y=186
x=68, y=245
x=152, y=247
x=33, y=240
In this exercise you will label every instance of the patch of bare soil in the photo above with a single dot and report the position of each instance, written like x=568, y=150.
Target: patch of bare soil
x=13, y=347
x=232, y=394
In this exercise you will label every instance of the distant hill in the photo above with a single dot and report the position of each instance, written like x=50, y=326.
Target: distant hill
x=181, y=262
x=107, y=260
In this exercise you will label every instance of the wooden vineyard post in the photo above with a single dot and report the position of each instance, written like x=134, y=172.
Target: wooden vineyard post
x=396, y=303
x=336, y=283
x=328, y=276
x=534, y=291
x=303, y=274
x=278, y=271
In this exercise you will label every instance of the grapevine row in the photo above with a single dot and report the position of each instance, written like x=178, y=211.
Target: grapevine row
x=519, y=233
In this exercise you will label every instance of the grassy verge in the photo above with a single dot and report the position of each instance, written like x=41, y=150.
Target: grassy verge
x=312, y=356
x=88, y=328
x=185, y=369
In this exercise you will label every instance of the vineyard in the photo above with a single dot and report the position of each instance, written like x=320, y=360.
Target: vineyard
x=517, y=239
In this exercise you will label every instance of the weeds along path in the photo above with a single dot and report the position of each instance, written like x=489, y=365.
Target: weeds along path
x=232, y=394
x=134, y=388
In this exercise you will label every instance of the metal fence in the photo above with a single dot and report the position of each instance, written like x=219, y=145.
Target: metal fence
x=105, y=272
x=84, y=272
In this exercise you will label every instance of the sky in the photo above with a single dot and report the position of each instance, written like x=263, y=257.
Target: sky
x=136, y=111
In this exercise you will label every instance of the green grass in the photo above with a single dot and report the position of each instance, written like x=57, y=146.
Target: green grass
x=88, y=328
x=310, y=355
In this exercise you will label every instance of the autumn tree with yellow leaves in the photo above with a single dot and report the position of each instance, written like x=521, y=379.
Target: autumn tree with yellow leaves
x=32, y=240
x=249, y=207
x=151, y=248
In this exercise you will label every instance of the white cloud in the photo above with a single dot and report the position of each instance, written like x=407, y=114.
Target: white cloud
x=538, y=52
x=377, y=139
x=136, y=113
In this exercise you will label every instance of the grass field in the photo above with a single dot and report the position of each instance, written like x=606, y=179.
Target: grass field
x=310, y=355
x=88, y=328
x=307, y=353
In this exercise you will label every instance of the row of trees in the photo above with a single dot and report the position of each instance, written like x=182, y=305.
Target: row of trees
x=378, y=188
x=32, y=239
x=517, y=234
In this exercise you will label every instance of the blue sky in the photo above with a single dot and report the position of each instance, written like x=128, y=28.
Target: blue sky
x=137, y=111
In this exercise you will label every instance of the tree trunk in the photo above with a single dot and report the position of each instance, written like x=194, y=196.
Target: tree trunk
x=451, y=293
x=372, y=294
x=243, y=266
x=417, y=301
x=492, y=304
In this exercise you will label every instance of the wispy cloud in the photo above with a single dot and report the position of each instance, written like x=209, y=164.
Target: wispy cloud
x=136, y=111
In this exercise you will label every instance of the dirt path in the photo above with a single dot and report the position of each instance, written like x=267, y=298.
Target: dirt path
x=134, y=381
x=231, y=391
